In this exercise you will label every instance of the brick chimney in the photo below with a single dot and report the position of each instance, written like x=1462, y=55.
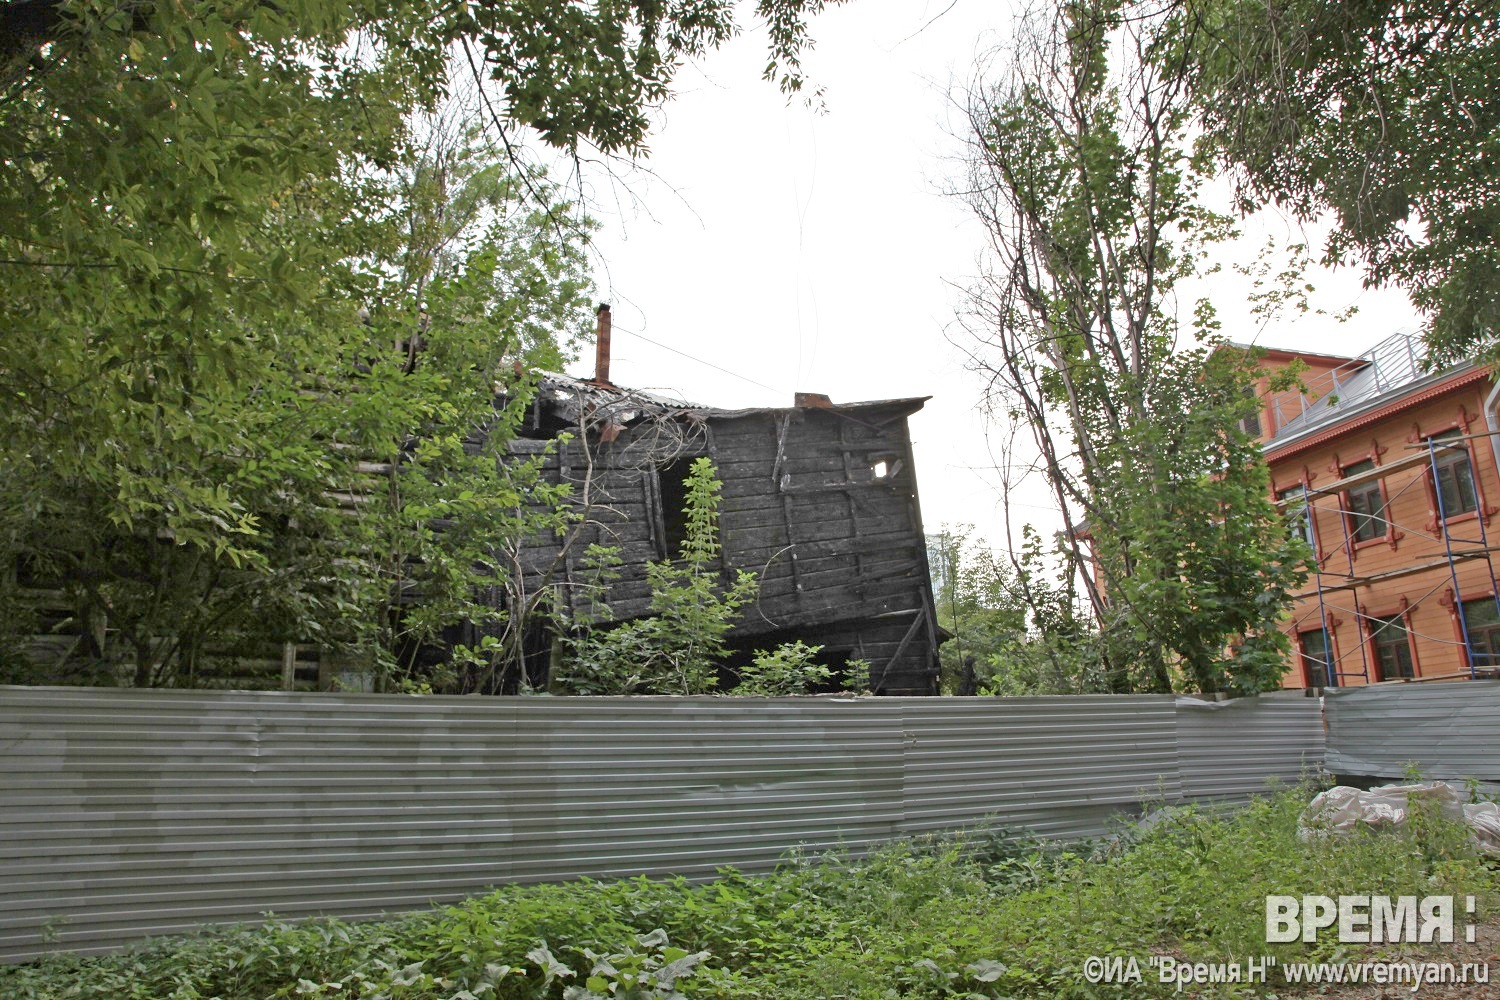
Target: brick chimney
x=601, y=346
x=814, y=399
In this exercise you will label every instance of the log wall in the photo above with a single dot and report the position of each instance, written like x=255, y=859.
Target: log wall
x=820, y=503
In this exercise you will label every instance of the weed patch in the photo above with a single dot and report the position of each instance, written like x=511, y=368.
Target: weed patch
x=984, y=917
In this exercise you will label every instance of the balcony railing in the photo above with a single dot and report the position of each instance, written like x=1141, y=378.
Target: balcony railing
x=1390, y=364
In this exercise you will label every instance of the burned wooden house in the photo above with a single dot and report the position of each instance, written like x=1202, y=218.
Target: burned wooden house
x=819, y=500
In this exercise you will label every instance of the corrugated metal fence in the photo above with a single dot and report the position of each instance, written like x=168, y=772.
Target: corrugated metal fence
x=125, y=814
x=1229, y=749
x=1448, y=730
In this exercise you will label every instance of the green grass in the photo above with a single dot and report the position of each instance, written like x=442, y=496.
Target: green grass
x=977, y=917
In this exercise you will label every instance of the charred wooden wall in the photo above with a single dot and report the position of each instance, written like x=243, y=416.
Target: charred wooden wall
x=819, y=502
x=822, y=503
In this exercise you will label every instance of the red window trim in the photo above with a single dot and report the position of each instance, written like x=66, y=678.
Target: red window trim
x=1267, y=418
x=1390, y=536
x=1449, y=601
x=1321, y=554
x=1419, y=435
x=1366, y=624
x=1332, y=622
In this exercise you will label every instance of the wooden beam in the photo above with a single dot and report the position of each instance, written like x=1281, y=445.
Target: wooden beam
x=570, y=590
x=852, y=510
x=1350, y=583
x=1379, y=472
x=911, y=631
x=1456, y=437
x=779, y=482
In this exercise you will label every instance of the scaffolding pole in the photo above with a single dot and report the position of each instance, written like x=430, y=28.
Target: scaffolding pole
x=1426, y=454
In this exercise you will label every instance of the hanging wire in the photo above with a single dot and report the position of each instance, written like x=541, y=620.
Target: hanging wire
x=690, y=357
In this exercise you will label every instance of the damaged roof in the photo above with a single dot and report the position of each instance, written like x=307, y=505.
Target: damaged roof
x=607, y=403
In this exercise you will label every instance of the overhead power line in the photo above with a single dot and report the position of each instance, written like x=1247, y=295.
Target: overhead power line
x=709, y=364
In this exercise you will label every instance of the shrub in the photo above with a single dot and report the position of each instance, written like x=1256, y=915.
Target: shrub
x=786, y=670
x=981, y=917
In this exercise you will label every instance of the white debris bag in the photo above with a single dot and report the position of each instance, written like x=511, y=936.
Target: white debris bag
x=1484, y=826
x=1342, y=809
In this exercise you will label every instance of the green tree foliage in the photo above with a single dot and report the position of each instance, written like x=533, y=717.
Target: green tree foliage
x=789, y=669
x=678, y=647
x=491, y=287
x=681, y=646
x=1082, y=177
x=225, y=242
x=428, y=539
x=1384, y=116
x=368, y=488
x=1016, y=631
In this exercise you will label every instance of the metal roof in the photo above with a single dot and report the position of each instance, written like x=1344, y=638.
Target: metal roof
x=1387, y=371
x=560, y=388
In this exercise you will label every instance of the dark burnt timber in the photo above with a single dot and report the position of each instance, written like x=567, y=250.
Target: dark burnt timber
x=819, y=501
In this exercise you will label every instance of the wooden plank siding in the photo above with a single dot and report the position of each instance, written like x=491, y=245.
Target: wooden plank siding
x=838, y=549
x=1406, y=570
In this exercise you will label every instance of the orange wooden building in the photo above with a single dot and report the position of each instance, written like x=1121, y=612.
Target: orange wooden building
x=1393, y=473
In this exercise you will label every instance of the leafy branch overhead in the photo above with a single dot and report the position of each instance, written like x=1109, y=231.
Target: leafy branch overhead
x=270, y=272
x=1082, y=175
x=574, y=73
x=1382, y=117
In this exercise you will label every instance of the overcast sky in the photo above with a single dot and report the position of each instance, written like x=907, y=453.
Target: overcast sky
x=779, y=249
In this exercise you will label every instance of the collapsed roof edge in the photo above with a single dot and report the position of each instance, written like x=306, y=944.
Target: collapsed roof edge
x=607, y=394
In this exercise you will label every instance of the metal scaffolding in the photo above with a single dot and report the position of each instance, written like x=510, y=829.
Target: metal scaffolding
x=1329, y=582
